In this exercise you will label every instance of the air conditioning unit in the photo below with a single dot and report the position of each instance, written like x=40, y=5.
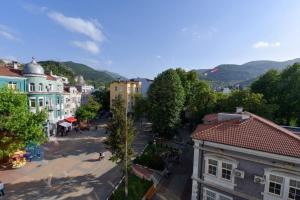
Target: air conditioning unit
x=258, y=179
x=239, y=173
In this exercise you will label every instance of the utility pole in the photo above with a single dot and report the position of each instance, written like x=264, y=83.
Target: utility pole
x=126, y=153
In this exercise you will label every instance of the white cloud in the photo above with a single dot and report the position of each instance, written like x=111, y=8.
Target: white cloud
x=6, y=33
x=90, y=28
x=108, y=62
x=263, y=44
x=34, y=8
x=88, y=46
x=158, y=57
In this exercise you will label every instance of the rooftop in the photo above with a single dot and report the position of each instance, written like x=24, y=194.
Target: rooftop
x=5, y=71
x=249, y=131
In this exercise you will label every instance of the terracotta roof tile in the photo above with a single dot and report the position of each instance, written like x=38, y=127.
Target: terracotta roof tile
x=50, y=77
x=255, y=133
x=4, y=71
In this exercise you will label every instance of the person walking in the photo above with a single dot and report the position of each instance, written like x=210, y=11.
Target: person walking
x=1, y=188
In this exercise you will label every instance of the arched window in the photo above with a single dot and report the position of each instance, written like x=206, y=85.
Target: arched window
x=31, y=87
x=40, y=87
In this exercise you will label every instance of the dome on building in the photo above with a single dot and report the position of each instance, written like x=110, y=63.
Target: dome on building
x=33, y=68
x=79, y=80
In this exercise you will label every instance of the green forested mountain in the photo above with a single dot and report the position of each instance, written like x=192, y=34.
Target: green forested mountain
x=230, y=74
x=71, y=69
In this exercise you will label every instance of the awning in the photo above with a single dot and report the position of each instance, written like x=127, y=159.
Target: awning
x=65, y=124
x=71, y=119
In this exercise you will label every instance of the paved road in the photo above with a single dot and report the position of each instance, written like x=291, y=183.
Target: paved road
x=69, y=170
x=178, y=185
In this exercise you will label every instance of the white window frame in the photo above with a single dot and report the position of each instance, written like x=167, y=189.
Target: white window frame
x=218, y=180
x=218, y=195
x=12, y=85
x=285, y=187
x=296, y=188
x=30, y=99
x=41, y=98
x=33, y=87
x=40, y=87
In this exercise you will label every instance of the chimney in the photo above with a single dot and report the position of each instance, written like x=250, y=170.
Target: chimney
x=15, y=65
x=239, y=110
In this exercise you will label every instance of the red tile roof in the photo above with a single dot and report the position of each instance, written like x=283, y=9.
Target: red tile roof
x=254, y=133
x=50, y=77
x=4, y=71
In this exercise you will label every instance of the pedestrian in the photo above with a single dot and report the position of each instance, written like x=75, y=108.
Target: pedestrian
x=1, y=188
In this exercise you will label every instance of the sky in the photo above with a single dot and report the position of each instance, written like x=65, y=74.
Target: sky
x=141, y=38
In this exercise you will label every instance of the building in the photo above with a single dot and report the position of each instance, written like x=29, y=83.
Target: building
x=84, y=89
x=127, y=89
x=12, y=78
x=45, y=92
x=243, y=156
x=72, y=101
x=145, y=85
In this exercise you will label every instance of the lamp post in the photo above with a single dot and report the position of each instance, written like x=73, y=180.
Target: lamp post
x=126, y=154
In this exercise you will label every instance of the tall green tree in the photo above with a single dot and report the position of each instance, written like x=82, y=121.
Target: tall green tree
x=103, y=97
x=202, y=100
x=121, y=137
x=166, y=99
x=267, y=84
x=289, y=95
x=141, y=106
x=88, y=111
x=18, y=126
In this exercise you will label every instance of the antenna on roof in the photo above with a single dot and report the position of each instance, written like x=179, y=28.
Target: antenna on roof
x=33, y=60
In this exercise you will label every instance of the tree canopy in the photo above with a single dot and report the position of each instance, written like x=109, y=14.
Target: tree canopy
x=88, y=111
x=18, y=126
x=166, y=101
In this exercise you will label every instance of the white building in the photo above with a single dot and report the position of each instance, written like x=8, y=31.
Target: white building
x=72, y=101
x=84, y=89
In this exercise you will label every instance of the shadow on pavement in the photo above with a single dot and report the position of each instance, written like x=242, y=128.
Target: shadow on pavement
x=79, y=187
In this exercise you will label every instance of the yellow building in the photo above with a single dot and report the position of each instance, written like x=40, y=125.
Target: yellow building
x=127, y=90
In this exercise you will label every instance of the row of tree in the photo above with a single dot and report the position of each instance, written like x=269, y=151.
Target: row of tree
x=177, y=96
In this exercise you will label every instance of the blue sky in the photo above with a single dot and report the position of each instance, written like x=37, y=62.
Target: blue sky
x=141, y=38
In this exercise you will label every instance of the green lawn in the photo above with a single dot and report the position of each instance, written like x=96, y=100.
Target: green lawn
x=136, y=189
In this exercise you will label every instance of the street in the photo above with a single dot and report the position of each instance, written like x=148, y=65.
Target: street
x=70, y=169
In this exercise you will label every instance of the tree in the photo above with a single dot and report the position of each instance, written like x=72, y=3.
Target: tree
x=166, y=101
x=121, y=136
x=103, y=97
x=252, y=102
x=88, y=111
x=289, y=95
x=141, y=106
x=267, y=84
x=202, y=100
x=18, y=126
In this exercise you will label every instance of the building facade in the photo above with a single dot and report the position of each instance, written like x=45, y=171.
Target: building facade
x=243, y=156
x=13, y=79
x=45, y=92
x=84, y=89
x=127, y=90
x=72, y=101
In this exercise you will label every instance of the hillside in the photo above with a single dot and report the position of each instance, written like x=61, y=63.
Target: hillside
x=230, y=74
x=71, y=69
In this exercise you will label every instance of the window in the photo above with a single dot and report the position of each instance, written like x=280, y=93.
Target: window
x=41, y=102
x=294, y=189
x=12, y=85
x=40, y=87
x=210, y=195
x=226, y=171
x=213, y=195
x=50, y=87
x=31, y=87
x=57, y=101
x=32, y=103
x=212, y=167
x=275, y=184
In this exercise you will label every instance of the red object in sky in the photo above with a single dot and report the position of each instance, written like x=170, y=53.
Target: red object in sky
x=71, y=119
